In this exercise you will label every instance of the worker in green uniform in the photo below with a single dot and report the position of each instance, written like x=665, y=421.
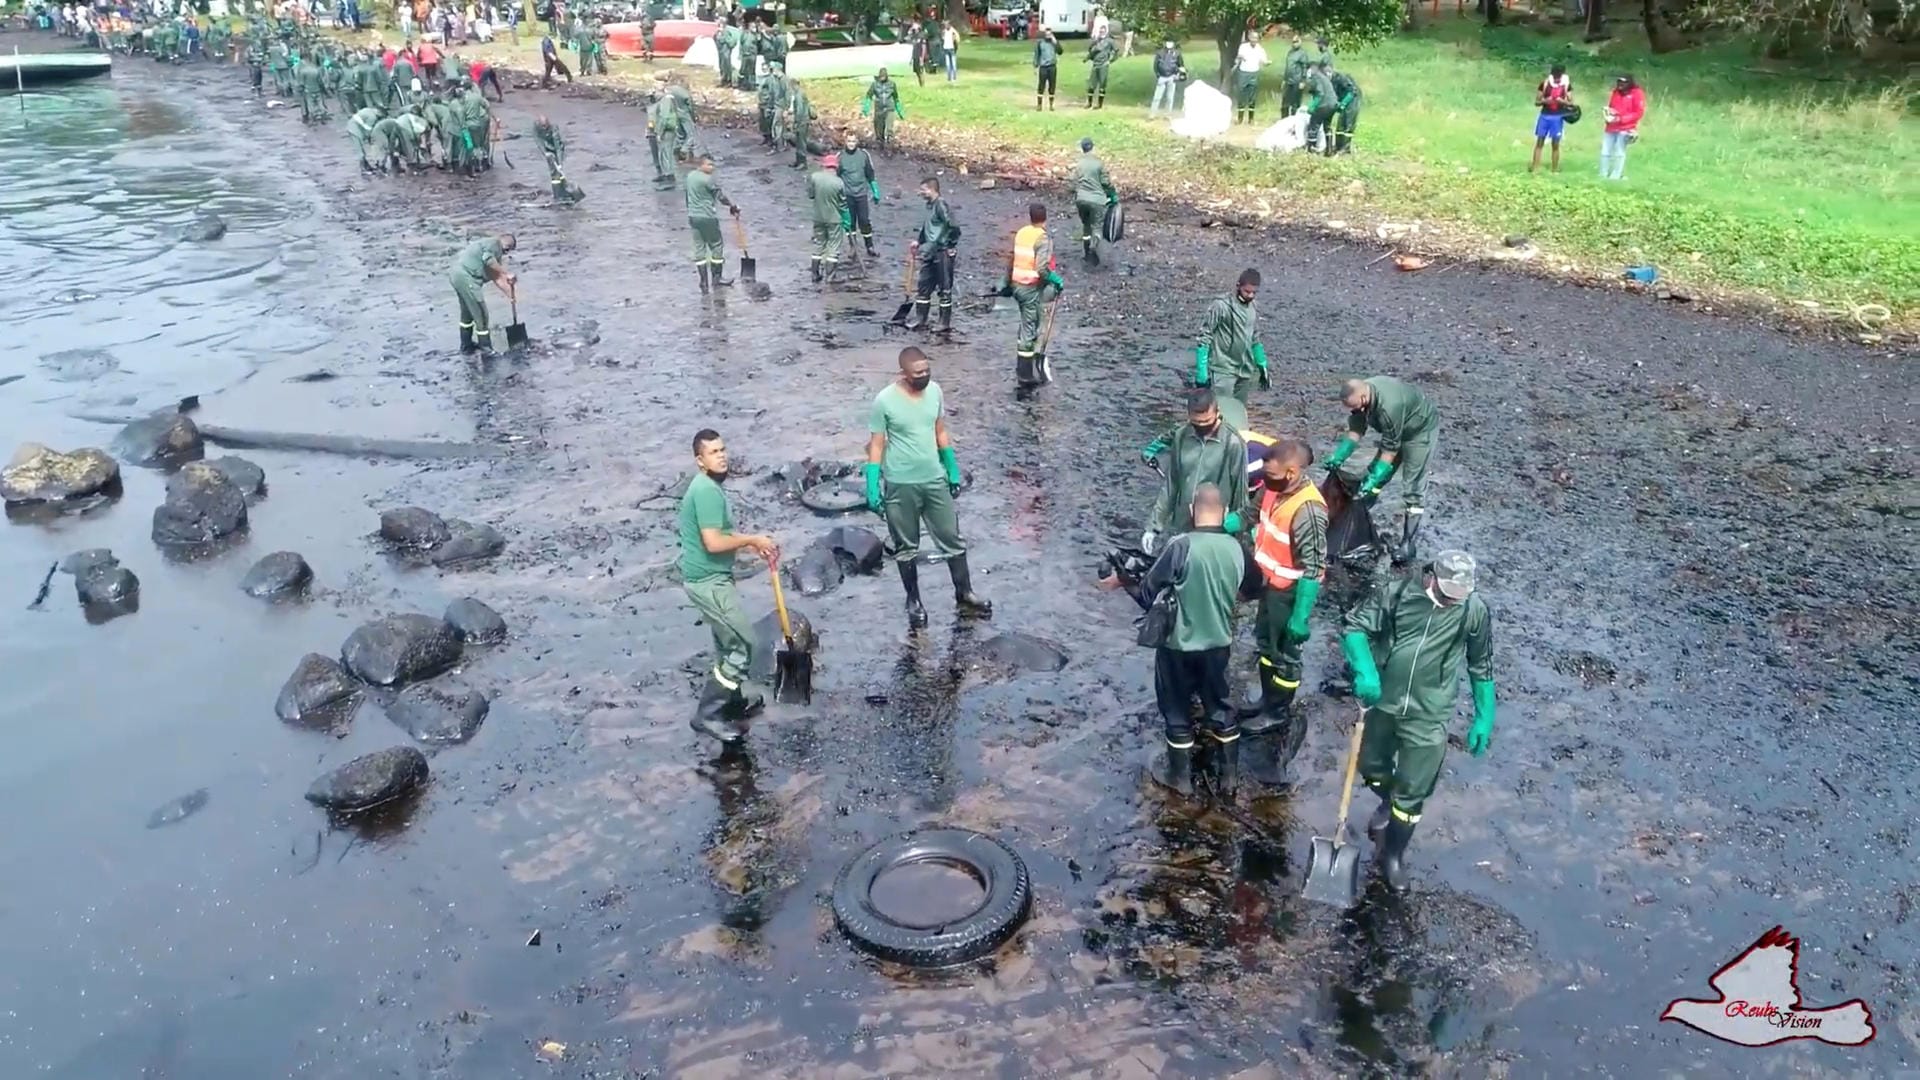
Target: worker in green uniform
x=1290, y=554
x=1405, y=645
x=477, y=115
x=832, y=219
x=704, y=199
x=482, y=261
x=768, y=98
x=1092, y=193
x=600, y=38
x=800, y=111
x=1407, y=424
x=547, y=136
x=1031, y=271
x=725, y=40
x=400, y=81
x=1229, y=346
x=1204, y=450
x=280, y=65
x=257, y=58
x=708, y=546
x=1323, y=52
x=332, y=74
x=1294, y=72
x=360, y=129
x=908, y=448
x=749, y=69
x=373, y=83
x=217, y=36
x=936, y=249
x=448, y=131
x=781, y=89
x=664, y=119
x=1323, y=103
x=312, y=84
x=389, y=145
x=683, y=107
x=1347, y=118
x=863, y=190
x=1100, y=53
x=646, y=33
x=413, y=128
x=882, y=101
x=773, y=46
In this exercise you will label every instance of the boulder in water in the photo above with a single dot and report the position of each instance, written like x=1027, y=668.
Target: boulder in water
x=859, y=549
x=370, y=780
x=413, y=528
x=162, y=440
x=204, y=228
x=202, y=507
x=37, y=474
x=817, y=571
x=107, y=585
x=401, y=649
x=319, y=693
x=80, y=562
x=1022, y=652
x=281, y=574
x=468, y=543
x=439, y=715
x=251, y=479
x=475, y=622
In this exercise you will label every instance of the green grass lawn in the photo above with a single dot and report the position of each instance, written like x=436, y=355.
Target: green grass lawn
x=1796, y=186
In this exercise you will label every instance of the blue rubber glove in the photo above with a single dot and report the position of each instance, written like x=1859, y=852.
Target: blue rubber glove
x=1480, y=735
x=1232, y=523
x=951, y=462
x=1201, y=376
x=1366, y=677
x=1341, y=453
x=1260, y=361
x=1376, y=478
x=873, y=486
x=873, y=186
x=1305, y=592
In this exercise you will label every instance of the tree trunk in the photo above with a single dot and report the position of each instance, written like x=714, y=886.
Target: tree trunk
x=1661, y=38
x=1596, y=20
x=1228, y=34
x=957, y=15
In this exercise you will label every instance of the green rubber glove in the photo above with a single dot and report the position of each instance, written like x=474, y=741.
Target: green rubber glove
x=1232, y=523
x=1260, y=357
x=1201, y=376
x=873, y=486
x=951, y=462
x=1053, y=278
x=846, y=222
x=1480, y=735
x=1153, y=450
x=1341, y=452
x=873, y=188
x=467, y=138
x=1366, y=677
x=1305, y=592
x=866, y=106
x=1376, y=478
x=899, y=110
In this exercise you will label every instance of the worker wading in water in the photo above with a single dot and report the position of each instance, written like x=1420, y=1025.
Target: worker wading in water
x=832, y=220
x=708, y=545
x=704, y=199
x=1030, y=274
x=1407, y=424
x=935, y=247
x=855, y=167
x=482, y=261
x=882, y=100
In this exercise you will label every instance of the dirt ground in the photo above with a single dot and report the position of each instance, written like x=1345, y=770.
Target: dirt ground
x=1697, y=537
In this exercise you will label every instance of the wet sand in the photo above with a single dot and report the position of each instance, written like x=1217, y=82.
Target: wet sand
x=1697, y=537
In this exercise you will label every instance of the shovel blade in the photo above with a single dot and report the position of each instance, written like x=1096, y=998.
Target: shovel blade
x=1333, y=873
x=793, y=677
x=516, y=335
x=749, y=268
x=906, y=309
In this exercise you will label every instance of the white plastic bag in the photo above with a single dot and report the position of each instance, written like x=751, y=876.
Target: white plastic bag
x=1208, y=113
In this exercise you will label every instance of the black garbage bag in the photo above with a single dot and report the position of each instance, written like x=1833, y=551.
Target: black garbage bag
x=1350, y=535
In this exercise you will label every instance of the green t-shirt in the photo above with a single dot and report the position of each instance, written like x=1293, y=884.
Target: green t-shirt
x=475, y=256
x=704, y=506
x=907, y=422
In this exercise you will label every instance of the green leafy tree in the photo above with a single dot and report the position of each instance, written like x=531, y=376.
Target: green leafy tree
x=1346, y=22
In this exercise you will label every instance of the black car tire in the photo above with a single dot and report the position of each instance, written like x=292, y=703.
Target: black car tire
x=1002, y=875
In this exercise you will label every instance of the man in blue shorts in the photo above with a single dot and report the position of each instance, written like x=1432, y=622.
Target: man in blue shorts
x=1554, y=95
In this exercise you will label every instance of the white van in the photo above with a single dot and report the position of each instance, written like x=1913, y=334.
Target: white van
x=1066, y=18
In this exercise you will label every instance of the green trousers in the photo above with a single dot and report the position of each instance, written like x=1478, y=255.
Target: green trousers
x=360, y=135
x=473, y=306
x=883, y=128
x=726, y=67
x=708, y=248
x=1279, y=658
x=718, y=603
x=826, y=243
x=1031, y=301
x=907, y=505
x=1410, y=468
x=1246, y=89
x=666, y=151
x=1400, y=758
x=1097, y=79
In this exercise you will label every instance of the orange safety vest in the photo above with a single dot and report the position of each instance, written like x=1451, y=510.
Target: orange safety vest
x=1273, y=542
x=1026, y=248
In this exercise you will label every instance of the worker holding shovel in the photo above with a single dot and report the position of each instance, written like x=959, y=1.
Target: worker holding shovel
x=1031, y=273
x=704, y=198
x=708, y=546
x=1405, y=645
x=482, y=261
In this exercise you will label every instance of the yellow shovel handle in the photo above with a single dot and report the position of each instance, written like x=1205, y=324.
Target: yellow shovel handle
x=780, y=602
x=1353, y=766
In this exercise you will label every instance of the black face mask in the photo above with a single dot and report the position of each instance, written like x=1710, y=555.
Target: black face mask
x=919, y=382
x=1280, y=484
x=1206, y=432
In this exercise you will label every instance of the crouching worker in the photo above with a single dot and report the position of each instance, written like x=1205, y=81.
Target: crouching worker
x=708, y=545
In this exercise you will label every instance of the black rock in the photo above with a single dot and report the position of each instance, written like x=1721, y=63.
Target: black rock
x=370, y=780
x=816, y=572
x=80, y=562
x=164, y=439
x=469, y=543
x=202, y=507
x=1023, y=652
x=107, y=585
x=204, y=228
x=319, y=693
x=178, y=810
x=412, y=527
x=475, y=622
x=439, y=715
x=281, y=574
x=400, y=649
x=37, y=474
x=860, y=550
x=251, y=479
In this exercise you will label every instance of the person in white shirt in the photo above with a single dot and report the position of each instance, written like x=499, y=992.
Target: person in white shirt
x=1100, y=26
x=1246, y=76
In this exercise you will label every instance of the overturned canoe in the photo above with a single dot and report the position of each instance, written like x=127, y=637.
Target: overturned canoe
x=31, y=71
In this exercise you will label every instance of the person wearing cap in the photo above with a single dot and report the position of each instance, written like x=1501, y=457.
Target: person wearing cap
x=1204, y=450
x=1205, y=568
x=1092, y=193
x=1229, y=345
x=1030, y=272
x=855, y=167
x=832, y=219
x=1290, y=551
x=1407, y=423
x=1405, y=645
x=1169, y=68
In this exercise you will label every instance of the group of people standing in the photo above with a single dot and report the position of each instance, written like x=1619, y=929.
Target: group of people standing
x=1626, y=106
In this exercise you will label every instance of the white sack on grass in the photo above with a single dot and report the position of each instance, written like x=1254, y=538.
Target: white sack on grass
x=702, y=53
x=1286, y=136
x=1208, y=115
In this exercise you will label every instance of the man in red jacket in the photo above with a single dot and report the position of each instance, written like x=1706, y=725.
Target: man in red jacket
x=1624, y=110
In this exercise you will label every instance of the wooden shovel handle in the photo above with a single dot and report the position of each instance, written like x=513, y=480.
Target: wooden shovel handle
x=1353, y=766
x=740, y=233
x=780, y=602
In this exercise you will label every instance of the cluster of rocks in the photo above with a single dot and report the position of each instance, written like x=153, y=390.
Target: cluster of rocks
x=106, y=589
x=416, y=533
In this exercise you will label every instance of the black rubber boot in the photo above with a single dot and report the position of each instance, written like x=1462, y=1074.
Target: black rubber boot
x=483, y=340
x=1393, y=852
x=710, y=716
x=910, y=581
x=559, y=190
x=1382, y=814
x=918, y=320
x=964, y=597
x=1089, y=101
x=1175, y=771
x=1036, y=102
x=703, y=277
x=1226, y=762
x=816, y=271
x=1086, y=248
x=869, y=239
x=1409, y=548
x=1276, y=703
x=946, y=318
x=1100, y=101
x=466, y=339
x=747, y=700
x=715, y=270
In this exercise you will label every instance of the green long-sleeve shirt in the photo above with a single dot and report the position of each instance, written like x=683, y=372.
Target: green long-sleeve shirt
x=1229, y=329
x=551, y=141
x=476, y=257
x=802, y=108
x=1191, y=460
x=938, y=232
x=1205, y=568
x=1046, y=53
x=884, y=93
x=704, y=197
x=1400, y=413
x=1321, y=88
x=856, y=171
x=1090, y=182
x=682, y=99
x=1418, y=646
x=1296, y=65
x=665, y=117
x=1102, y=51
x=828, y=197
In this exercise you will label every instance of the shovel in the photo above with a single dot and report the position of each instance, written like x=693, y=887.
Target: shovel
x=1333, y=865
x=516, y=330
x=792, y=665
x=1046, y=337
x=749, y=266
x=906, y=286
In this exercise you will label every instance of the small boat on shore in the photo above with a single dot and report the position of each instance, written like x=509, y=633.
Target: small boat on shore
x=32, y=71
